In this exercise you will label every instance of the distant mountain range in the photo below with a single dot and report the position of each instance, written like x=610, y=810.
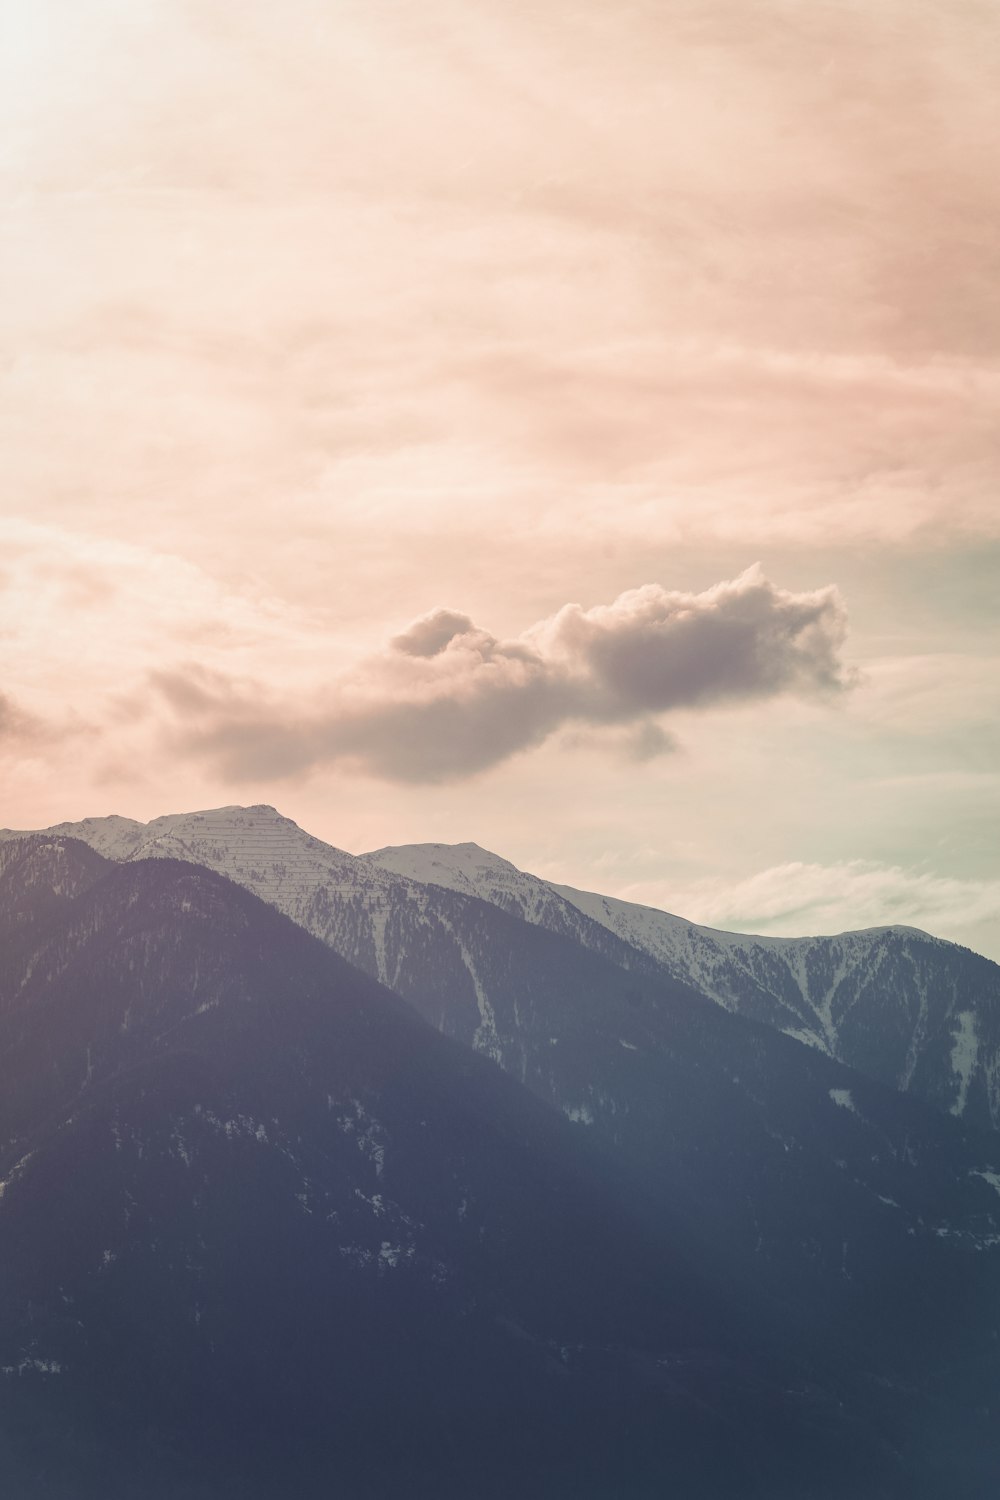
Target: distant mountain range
x=725, y=1220
x=910, y=1010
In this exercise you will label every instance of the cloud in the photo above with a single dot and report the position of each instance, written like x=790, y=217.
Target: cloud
x=429, y=636
x=653, y=650
x=25, y=733
x=448, y=699
x=84, y=616
x=796, y=898
x=457, y=250
x=14, y=723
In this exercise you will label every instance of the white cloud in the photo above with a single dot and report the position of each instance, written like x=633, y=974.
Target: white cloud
x=793, y=899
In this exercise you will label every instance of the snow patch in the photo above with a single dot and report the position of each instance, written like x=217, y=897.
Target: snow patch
x=15, y=1172
x=487, y=1038
x=390, y=1255
x=36, y=1366
x=180, y=1145
x=356, y=1255
x=376, y=1202
x=242, y=1126
x=964, y=1056
x=993, y=1178
x=844, y=1098
x=368, y=1134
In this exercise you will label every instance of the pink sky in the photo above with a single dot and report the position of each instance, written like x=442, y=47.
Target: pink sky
x=328, y=316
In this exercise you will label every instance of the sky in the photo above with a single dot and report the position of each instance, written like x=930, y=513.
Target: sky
x=568, y=427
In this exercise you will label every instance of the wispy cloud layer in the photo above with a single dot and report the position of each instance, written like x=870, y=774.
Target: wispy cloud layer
x=796, y=898
x=371, y=272
x=447, y=699
x=16, y=726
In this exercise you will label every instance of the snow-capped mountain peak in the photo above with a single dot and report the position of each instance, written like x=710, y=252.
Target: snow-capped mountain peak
x=474, y=871
x=457, y=867
x=908, y=1009
x=236, y=836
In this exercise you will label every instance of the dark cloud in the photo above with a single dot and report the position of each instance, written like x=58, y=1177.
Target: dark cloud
x=652, y=650
x=448, y=699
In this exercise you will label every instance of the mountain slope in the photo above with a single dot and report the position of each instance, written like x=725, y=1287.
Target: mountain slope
x=917, y=1012
x=910, y=1010
x=401, y=931
x=153, y=1015
x=264, y=1232
x=792, y=1174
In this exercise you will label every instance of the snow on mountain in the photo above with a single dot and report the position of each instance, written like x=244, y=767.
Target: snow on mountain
x=421, y=939
x=908, y=1009
x=220, y=1144
x=310, y=881
x=252, y=842
x=473, y=871
x=795, y=974
x=389, y=921
x=791, y=978
x=114, y=837
x=458, y=867
x=816, y=1182
x=250, y=1205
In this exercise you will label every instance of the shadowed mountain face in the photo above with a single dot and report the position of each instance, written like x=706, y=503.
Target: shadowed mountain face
x=784, y=1167
x=264, y=1232
x=912, y=1012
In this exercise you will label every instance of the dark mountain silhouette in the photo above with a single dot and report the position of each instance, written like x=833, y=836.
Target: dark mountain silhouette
x=264, y=1232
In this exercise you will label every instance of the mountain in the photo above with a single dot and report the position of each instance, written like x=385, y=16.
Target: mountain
x=264, y=1232
x=910, y=1010
x=703, y=1107
x=404, y=932
x=856, y=1224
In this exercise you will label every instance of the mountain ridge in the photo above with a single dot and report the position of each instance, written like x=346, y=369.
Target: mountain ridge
x=167, y=1034
x=910, y=1009
x=222, y=1142
x=251, y=1202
